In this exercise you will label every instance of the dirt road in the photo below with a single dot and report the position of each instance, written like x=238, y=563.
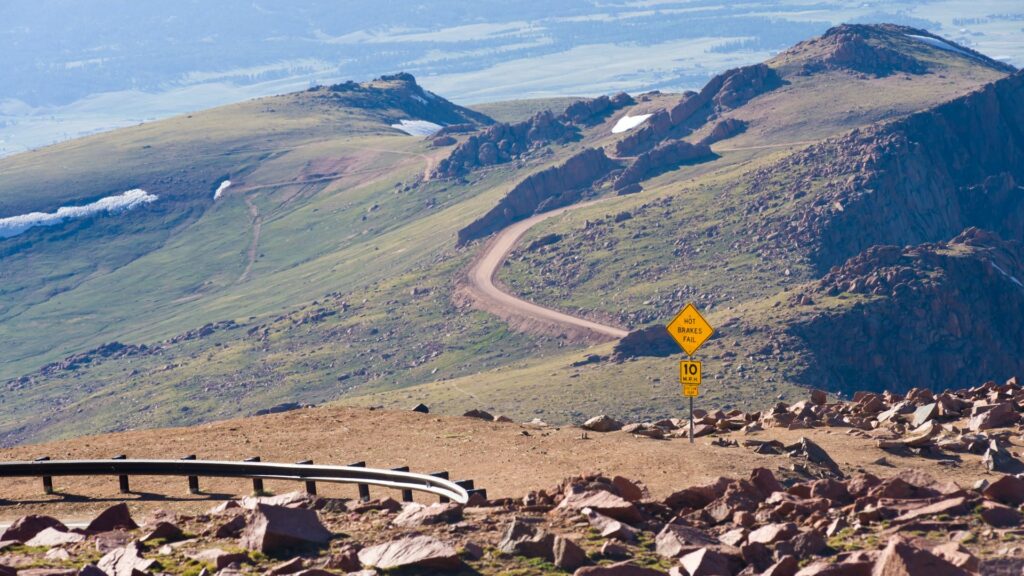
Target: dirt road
x=518, y=312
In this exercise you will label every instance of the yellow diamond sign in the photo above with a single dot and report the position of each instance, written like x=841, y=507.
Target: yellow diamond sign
x=690, y=330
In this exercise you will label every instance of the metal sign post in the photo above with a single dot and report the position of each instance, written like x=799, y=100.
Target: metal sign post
x=690, y=330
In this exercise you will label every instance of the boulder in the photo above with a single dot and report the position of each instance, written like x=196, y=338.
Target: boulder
x=113, y=518
x=568, y=555
x=609, y=527
x=629, y=490
x=674, y=540
x=163, y=531
x=708, y=562
x=998, y=416
x=523, y=538
x=480, y=414
x=1007, y=490
x=288, y=567
x=819, y=397
x=413, y=552
x=414, y=514
x=901, y=559
x=602, y=423
x=772, y=533
x=957, y=555
x=270, y=529
x=126, y=561
x=786, y=566
x=50, y=537
x=999, y=516
x=603, y=502
x=24, y=528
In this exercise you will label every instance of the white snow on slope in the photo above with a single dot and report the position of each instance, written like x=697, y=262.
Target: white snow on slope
x=417, y=127
x=15, y=225
x=627, y=123
x=220, y=189
x=935, y=42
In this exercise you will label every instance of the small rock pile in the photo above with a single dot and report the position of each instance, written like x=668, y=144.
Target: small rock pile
x=590, y=525
x=978, y=420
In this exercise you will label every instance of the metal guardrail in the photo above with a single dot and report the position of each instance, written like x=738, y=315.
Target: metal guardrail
x=307, y=472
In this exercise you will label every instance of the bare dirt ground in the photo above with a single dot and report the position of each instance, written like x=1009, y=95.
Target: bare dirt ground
x=507, y=459
x=481, y=291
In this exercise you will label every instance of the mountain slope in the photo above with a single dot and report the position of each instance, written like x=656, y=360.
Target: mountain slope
x=330, y=266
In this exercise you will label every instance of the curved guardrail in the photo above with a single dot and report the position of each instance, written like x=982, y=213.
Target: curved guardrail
x=397, y=478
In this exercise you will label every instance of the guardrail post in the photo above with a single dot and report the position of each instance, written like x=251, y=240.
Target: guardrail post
x=257, y=483
x=193, y=481
x=364, y=489
x=444, y=476
x=406, y=493
x=310, y=485
x=47, y=480
x=122, y=480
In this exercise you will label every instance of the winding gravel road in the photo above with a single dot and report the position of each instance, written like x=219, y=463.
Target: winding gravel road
x=519, y=312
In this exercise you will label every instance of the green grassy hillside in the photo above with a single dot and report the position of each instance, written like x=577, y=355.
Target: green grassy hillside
x=329, y=265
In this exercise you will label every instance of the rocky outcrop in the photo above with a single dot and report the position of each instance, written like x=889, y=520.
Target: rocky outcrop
x=723, y=130
x=552, y=188
x=400, y=93
x=664, y=158
x=730, y=89
x=651, y=341
x=924, y=178
x=587, y=112
x=502, y=143
x=941, y=314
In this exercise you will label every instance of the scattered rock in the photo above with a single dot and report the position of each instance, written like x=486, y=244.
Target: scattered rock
x=420, y=552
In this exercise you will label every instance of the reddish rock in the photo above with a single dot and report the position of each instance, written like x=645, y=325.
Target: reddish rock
x=1007, y=490
x=819, y=397
x=609, y=527
x=765, y=482
x=772, y=533
x=419, y=552
x=901, y=559
x=524, y=538
x=995, y=514
x=998, y=416
x=957, y=555
x=107, y=541
x=415, y=514
x=809, y=543
x=126, y=561
x=23, y=529
x=568, y=554
x=827, y=568
x=674, y=540
x=114, y=518
x=603, y=502
x=163, y=531
x=626, y=568
x=50, y=537
x=833, y=490
x=232, y=528
x=786, y=566
x=345, y=559
x=707, y=562
x=628, y=489
x=273, y=528
x=602, y=423
x=951, y=506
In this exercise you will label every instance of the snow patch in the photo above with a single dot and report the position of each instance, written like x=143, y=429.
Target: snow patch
x=417, y=127
x=419, y=99
x=936, y=43
x=15, y=225
x=627, y=123
x=220, y=189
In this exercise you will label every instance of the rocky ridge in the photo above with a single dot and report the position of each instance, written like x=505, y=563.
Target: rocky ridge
x=551, y=188
x=923, y=178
